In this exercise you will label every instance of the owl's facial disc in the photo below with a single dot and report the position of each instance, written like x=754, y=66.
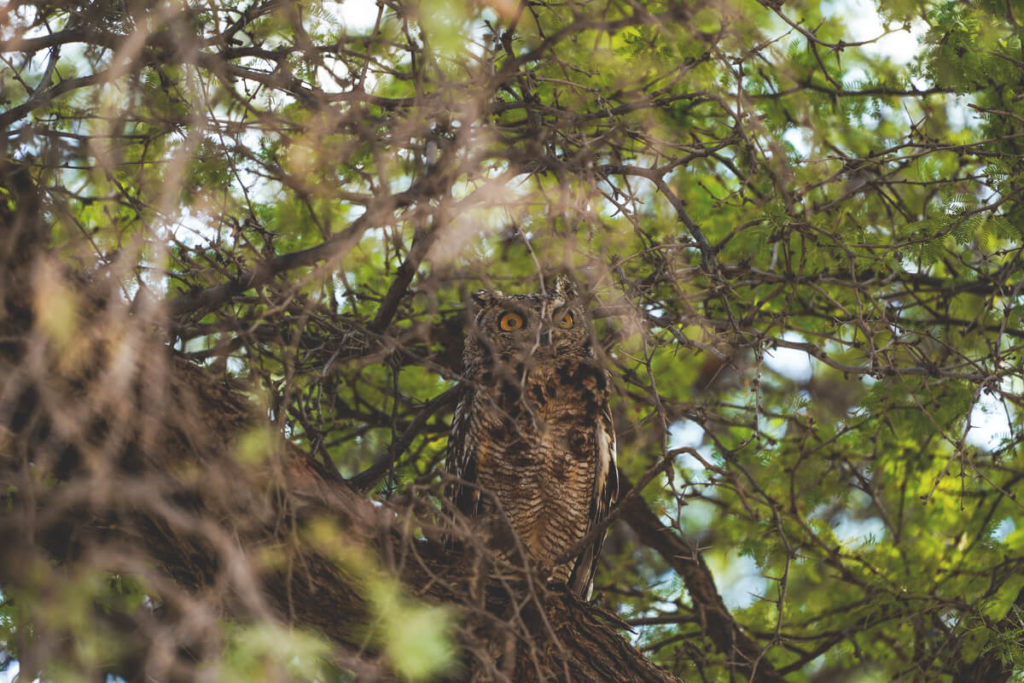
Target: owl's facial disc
x=517, y=332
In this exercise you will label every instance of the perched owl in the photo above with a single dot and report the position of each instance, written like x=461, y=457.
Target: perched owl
x=534, y=430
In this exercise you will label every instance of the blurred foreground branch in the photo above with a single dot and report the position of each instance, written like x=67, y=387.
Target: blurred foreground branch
x=123, y=464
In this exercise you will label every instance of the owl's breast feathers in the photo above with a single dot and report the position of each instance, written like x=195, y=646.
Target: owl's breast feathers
x=546, y=452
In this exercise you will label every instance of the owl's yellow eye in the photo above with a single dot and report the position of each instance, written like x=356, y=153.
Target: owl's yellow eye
x=510, y=321
x=566, y=322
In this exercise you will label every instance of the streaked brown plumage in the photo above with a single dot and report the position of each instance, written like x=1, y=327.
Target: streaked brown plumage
x=534, y=429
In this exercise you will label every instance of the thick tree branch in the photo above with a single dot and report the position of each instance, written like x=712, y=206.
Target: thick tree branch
x=332, y=249
x=746, y=657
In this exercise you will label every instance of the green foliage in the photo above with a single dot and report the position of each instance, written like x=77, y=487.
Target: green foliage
x=415, y=637
x=730, y=182
x=66, y=605
x=264, y=651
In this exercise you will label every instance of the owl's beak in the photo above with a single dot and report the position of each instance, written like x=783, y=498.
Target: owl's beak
x=545, y=338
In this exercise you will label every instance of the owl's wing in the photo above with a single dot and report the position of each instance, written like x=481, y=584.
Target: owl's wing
x=461, y=460
x=606, y=492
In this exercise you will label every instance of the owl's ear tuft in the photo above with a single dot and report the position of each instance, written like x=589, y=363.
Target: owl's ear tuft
x=565, y=288
x=483, y=297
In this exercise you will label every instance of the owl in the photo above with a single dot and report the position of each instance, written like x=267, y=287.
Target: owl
x=532, y=440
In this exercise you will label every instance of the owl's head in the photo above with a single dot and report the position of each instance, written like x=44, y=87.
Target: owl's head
x=527, y=330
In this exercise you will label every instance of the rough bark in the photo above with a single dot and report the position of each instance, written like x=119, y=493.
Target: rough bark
x=146, y=474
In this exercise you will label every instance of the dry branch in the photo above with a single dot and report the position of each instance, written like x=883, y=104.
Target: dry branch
x=154, y=483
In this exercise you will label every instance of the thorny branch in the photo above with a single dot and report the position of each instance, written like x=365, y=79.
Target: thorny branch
x=303, y=206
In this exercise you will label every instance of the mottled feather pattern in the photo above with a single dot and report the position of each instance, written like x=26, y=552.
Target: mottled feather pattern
x=534, y=429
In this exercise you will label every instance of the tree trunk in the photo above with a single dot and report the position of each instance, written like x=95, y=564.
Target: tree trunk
x=121, y=460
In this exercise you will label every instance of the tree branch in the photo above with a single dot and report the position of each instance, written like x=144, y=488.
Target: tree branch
x=746, y=656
